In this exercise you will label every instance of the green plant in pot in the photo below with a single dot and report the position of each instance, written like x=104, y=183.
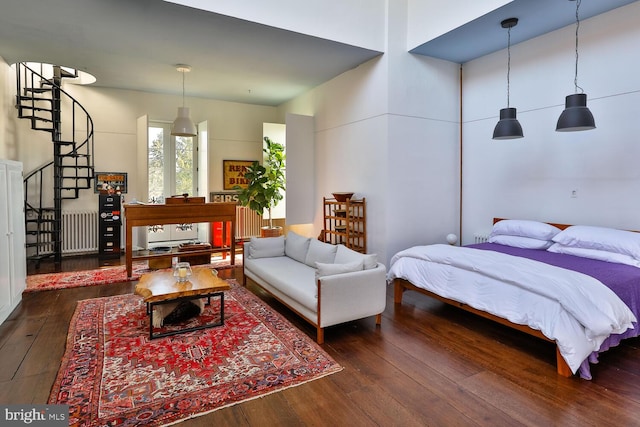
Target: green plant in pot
x=265, y=183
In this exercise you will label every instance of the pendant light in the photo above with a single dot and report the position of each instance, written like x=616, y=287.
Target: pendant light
x=576, y=116
x=182, y=125
x=508, y=127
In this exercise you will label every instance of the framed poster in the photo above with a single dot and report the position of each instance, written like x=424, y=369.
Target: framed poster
x=110, y=182
x=233, y=173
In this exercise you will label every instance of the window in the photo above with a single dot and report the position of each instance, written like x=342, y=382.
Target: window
x=172, y=163
x=172, y=171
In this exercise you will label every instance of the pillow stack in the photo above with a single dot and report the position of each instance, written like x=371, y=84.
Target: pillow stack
x=604, y=244
x=525, y=234
x=326, y=258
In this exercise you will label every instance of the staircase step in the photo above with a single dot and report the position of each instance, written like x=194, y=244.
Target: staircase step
x=32, y=108
x=41, y=220
x=42, y=129
x=75, y=155
x=84, y=171
x=26, y=90
x=36, y=245
x=33, y=98
x=76, y=177
x=48, y=233
x=42, y=209
x=43, y=119
x=65, y=73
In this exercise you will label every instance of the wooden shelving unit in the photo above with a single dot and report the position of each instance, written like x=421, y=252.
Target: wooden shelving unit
x=346, y=223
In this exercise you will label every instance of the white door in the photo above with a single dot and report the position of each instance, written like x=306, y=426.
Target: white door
x=172, y=170
x=13, y=258
x=5, y=246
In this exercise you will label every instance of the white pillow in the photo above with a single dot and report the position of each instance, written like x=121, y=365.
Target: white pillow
x=266, y=247
x=320, y=252
x=524, y=228
x=594, y=254
x=601, y=238
x=370, y=261
x=323, y=269
x=520, y=242
x=296, y=246
x=345, y=255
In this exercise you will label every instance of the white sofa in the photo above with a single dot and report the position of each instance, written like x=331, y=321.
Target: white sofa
x=325, y=284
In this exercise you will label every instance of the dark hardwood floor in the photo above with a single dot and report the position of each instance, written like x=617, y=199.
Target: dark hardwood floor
x=428, y=364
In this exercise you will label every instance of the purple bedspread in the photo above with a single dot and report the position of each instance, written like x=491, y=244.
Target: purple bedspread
x=622, y=279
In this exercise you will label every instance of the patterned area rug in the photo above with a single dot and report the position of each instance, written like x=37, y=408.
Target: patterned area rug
x=101, y=276
x=112, y=374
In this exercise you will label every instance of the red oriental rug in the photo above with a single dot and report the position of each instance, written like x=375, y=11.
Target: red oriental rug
x=112, y=374
x=101, y=276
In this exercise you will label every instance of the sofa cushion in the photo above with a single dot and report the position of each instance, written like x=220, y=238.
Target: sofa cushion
x=320, y=252
x=345, y=255
x=266, y=247
x=331, y=269
x=291, y=278
x=296, y=246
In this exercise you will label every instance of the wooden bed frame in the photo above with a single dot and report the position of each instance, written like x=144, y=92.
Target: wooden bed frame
x=401, y=285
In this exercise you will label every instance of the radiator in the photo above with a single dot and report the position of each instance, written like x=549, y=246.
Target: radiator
x=79, y=232
x=480, y=238
x=248, y=223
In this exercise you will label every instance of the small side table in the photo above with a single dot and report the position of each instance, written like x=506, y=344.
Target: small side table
x=162, y=288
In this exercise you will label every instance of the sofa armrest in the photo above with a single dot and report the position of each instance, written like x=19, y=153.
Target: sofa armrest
x=350, y=296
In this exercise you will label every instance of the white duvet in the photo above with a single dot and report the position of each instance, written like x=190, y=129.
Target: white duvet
x=575, y=310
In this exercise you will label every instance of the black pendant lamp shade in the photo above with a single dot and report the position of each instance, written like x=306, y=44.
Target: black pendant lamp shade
x=508, y=127
x=576, y=116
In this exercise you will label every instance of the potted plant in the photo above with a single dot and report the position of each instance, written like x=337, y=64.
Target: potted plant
x=265, y=184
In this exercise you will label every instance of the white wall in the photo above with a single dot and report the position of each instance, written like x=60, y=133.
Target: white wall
x=350, y=140
x=388, y=130
x=5, y=106
x=534, y=177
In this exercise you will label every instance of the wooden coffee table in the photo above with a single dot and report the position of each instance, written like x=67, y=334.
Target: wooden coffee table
x=162, y=288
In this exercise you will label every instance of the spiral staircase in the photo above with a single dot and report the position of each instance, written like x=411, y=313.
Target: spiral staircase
x=41, y=99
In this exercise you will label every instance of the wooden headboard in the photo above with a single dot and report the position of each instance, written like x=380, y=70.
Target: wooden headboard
x=560, y=226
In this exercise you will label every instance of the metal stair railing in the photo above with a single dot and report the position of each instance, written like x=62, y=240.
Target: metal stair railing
x=40, y=99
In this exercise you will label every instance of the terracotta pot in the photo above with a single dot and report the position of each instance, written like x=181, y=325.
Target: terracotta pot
x=270, y=231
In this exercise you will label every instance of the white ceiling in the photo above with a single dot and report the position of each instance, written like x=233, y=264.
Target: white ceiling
x=135, y=44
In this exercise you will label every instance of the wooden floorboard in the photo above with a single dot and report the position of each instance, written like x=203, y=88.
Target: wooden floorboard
x=427, y=364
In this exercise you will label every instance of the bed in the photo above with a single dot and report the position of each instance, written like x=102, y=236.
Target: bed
x=576, y=286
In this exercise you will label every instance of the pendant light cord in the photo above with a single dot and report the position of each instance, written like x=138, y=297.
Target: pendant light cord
x=183, y=89
x=575, y=79
x=508, y=63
